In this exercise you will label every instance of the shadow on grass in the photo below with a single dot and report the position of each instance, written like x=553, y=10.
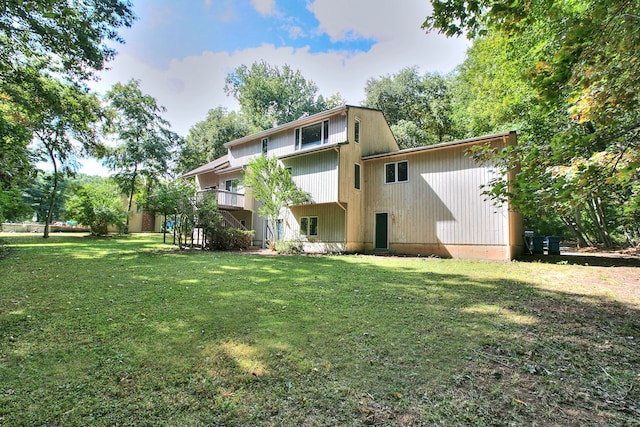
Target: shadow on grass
x=584, y=260
x=225, y=339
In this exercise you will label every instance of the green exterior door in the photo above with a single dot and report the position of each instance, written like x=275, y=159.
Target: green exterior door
x=382, y=231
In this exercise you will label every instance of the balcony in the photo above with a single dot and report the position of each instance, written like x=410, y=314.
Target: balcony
x=225, y=199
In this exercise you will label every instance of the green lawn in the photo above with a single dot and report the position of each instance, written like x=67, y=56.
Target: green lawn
x=128, y=331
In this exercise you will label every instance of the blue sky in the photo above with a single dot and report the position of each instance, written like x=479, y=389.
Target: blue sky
x=181, y=51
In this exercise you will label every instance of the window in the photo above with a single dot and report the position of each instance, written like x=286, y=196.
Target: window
x=396, y=172
x=356, y=131
x=356, y=176
x=265, y=145
x=312, y=135
x=309, y=225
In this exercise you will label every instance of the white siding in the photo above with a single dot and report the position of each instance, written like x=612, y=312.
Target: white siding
x=316, y=174
x=283, y=143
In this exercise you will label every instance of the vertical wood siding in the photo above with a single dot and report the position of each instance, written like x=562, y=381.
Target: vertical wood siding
x=283, y=143
x=440, y=204
x=331, y=223
x=317, y=174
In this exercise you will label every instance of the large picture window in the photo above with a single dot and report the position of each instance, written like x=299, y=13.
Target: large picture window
x=309, y=225
x=396, y=172
x=312, y=135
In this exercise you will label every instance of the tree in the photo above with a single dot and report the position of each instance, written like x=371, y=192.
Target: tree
x=270, y=95
x=61, y=117
x=61, y=36
x=37, y=196
x=206, y=139
x=418, y=108
x=271, y=185
x=57, y=39
x=145, y=143
x=165, y=198
x=574, y=97
x=99, y=206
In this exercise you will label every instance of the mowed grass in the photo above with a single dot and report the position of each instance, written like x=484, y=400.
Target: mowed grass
x=128, y=331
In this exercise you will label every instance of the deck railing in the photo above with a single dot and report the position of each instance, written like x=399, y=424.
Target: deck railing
x=225, y=199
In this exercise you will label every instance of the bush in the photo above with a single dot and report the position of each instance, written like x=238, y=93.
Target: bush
x=225, y=239
x=98, y=206
x=289, y=247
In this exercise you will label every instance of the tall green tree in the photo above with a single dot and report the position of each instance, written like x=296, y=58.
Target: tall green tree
x=271, y=95
x=272, y=185
x=145, y=145
x=418, y=108
x=206, y=139
x=39, y=39
x=578, y=151
x=62, y=118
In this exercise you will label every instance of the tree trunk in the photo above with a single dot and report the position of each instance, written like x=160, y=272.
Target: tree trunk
x=133, y=188
x=52, y=196
x=595, y=209
x=577, y=215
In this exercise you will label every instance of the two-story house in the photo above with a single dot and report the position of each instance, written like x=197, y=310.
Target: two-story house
x=367, y=194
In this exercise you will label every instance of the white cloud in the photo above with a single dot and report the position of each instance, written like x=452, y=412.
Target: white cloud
x=190, y=86
x=264, y=7
x=380, y=20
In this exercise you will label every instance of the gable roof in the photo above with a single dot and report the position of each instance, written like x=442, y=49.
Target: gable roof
x=442, y=145
x=296, y=123
x=219, y=163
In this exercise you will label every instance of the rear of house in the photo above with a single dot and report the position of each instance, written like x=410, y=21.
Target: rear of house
x=429, y=201
x=367, y=194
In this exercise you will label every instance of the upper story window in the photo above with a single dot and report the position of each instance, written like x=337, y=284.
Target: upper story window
x=312, y=135
x=356, y=176
x=396, y=172
x=356, y=131
x=265, y=145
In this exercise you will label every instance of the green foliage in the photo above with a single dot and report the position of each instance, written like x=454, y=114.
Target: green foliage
x=206, y=139
x=97, y=206
x=145, y=143
x=290, y=247
x=418, y=108
x=37, y=196
x=270, y=95
x=272, y=186
x=65, y=37
x=48, y=49
x=561, y=73
x=228, y=239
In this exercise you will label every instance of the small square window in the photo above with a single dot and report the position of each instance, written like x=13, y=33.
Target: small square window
x=396, y=172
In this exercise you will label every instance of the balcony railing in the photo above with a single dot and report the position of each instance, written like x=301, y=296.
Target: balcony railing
x=225, y=199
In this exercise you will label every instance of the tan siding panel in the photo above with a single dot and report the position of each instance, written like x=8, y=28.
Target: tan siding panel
x=441, y=204
x=317, y=174
x=331, y=222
